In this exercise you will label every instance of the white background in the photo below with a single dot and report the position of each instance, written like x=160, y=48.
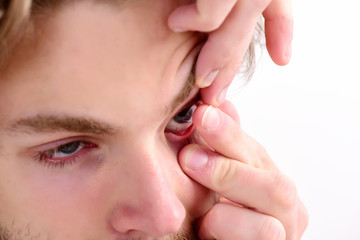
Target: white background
x=307, y=114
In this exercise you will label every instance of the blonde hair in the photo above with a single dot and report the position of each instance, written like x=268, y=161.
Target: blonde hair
x=14, y=15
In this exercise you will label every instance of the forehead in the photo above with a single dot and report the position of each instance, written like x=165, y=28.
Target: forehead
x=83, y=53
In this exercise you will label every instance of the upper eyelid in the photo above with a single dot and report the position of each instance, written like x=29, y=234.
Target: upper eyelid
x=186, y=104
x=189, y=85
x=57, y=143
x=55, y=148
x=91, y=139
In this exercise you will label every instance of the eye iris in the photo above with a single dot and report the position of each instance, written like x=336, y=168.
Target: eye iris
x=69, y=148
x=185, y=115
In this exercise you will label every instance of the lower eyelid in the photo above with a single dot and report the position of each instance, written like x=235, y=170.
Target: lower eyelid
x=173, y=137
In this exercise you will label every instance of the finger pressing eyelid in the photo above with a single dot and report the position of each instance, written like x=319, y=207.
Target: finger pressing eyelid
x=224, y=135
x=215, y=94
x=234, y=37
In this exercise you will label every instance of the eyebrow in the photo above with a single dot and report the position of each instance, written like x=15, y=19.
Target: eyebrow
x=49, y=123
x=185, y=91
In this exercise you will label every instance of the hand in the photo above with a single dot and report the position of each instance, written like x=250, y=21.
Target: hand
x=257, y=200
x=230, y=24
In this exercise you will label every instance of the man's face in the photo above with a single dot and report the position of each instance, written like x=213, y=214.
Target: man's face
x=88, y=137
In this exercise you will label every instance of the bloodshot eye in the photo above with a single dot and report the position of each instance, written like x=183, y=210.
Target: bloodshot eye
x=181, y=124
x=64, y=154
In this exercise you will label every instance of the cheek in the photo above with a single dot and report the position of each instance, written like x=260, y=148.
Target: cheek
x=87, y=195
x=49, y=201
x=196, y=198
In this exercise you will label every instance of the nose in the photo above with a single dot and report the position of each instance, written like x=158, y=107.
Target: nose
x=147, y=204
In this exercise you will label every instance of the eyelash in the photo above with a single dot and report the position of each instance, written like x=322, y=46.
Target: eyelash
x=182, y=129
x=46, y=157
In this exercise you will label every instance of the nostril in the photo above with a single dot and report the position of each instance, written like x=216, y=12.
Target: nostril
x=130, y=234
x=167, y=223
x=155, y=220
x=148, y=206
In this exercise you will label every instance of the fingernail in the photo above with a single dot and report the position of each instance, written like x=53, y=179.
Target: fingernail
x=288, y=52
x=196, y=159
x=211, y=119
x=222, y=96
x=208, y=80
x=178, y=30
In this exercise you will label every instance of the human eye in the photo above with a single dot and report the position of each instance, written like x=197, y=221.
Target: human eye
x=64, y=154
x=181, y=127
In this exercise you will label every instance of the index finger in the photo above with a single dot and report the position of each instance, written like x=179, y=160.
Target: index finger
x=279, y=30
x=202, y=16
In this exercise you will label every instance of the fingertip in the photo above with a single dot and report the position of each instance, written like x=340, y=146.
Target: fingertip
x=183, y=18
x=207, y=118
x=178, y=30
x=208, y=80
x=209, y=95
x=288, y=53
x=198, y=115
x=206, y=227
x=193, y=158
x=173, y=21
x=279, y=35
x=229, y=109
x=202, y=112
x=280, y=55
x=215, y=94
x=222, y=96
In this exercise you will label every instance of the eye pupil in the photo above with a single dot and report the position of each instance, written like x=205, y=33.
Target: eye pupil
x=185, y=115
x=69, y=148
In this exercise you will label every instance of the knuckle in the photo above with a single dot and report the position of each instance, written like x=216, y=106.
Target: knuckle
x=262, y=155
x=284, y=192
x=225, y=174
x=271, y=229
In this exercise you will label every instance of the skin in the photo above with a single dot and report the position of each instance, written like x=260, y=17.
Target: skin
x=131, y=185
x=255, y=196
x=279, y=214
x=230, y=24
x=136, y=150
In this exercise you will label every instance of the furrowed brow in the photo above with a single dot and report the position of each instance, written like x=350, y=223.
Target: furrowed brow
x=44, y=123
